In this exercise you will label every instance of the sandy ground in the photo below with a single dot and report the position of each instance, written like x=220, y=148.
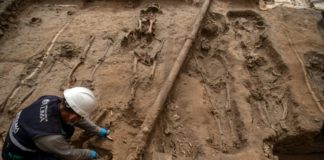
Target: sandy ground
x=241, y=93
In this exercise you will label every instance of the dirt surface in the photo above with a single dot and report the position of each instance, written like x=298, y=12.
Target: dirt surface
x=241, y=94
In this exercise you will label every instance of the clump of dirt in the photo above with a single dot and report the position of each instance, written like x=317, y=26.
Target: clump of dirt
x=253, y=61
x=35, y=21
x=68, y=50
x=70, y=13
x=257, y=94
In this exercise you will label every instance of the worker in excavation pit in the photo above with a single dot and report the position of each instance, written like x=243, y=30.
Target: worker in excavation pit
x=41, y=130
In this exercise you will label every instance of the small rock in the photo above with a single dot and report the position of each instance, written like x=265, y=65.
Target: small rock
x=257, y=95
x=35, y=20
x=145, y=129
x=176, y=117
x=209, y=140
x=214, y=112
x=167, y=131
x=317, y=120
x=253, y=61
x=243, y=20
x=70, y=13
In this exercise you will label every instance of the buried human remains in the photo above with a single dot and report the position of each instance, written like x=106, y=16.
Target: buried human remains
x=41, y=130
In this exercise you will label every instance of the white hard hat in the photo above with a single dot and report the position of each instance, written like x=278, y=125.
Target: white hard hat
x=81, y=100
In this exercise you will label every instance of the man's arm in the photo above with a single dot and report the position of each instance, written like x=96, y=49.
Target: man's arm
x=87, y=125
x=57, y=145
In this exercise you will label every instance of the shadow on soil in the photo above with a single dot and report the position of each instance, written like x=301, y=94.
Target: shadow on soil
x=305, y=146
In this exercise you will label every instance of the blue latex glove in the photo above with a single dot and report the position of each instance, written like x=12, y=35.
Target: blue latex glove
x=92, y=154
x=103, y=132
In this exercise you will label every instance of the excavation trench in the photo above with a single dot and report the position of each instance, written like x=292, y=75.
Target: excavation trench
x=209, y=124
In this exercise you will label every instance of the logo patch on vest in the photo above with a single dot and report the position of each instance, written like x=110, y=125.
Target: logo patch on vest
x=43, y=110
x=16, y=126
